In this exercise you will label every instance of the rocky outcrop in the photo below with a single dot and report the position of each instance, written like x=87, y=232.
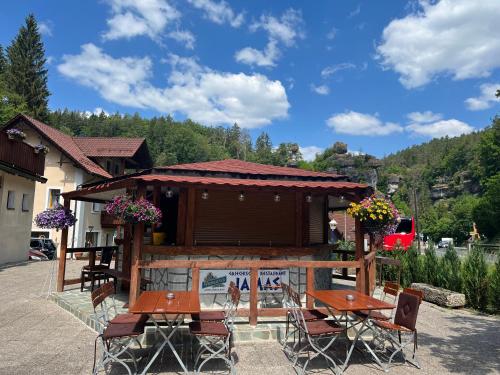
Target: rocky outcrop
x=440, y=296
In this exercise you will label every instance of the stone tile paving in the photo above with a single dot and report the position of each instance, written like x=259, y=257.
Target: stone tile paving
x=39, y=337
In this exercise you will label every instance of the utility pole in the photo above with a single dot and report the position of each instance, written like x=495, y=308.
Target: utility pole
x=415, y=200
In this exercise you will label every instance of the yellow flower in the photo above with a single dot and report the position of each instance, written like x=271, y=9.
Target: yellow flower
x=373, y=216
x=380, y=217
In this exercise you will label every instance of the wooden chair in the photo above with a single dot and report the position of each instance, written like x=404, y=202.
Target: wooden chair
x=95, y=272
x=390, y=289
x=415, y=292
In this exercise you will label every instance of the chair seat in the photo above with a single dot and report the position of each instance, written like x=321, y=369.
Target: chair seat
x=128, y=318
x=123, y=330
x=208, y=329
x=313, y=314
x=210, y=316
x=323, y=327
x=97, y=267
x=376, y=315
x=390, y=326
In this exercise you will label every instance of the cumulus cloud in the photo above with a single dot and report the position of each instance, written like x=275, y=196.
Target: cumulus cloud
x=486, y=99
x=183, y=36
x=355, y=123
x=332, y=69
x=219, y=12
x=45, y=28
x=332, y=34
x=310, y=152
x=442, y=128
x=450, y=37
x=320, y=90
x=202, y=94
x=97, y=111
x=424, y=117
x=130, y=18
x=282, y=32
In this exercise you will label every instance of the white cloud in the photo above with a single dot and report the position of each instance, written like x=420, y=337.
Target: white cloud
x=450, y=37
x=486, y=99
x=282, y=32
x=442, y=128
x=332, y=34
x=424, y=117
x=202, y=94
x=45, y=28
x=309, y=152
x=320, y=90
x=132, y=18
x=97, y=111
x=332, y=69
x=356, y=123
x=355, y=12
x=183, y=36
x=219, y=12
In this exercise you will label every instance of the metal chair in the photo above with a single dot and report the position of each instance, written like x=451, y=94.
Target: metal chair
x=117, y=332
x=404, y=325
x=390, y=289
x=315, y=332
x=216, y=315
x=215, y=336
x=93, y=273
x=309, y=314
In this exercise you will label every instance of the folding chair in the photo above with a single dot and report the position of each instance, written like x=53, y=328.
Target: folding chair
x=404, y=325
x=309, y=314
x=415, y=292
x=215, y=336
x=95, y=273
x=117, y=332
x=391, y=289
x=216, y=315
x=315, y=332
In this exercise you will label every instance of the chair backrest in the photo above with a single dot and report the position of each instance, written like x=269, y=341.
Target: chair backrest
x=104, y=306
x=415, y=292
x=107, y=255
x=407, y=311
x=391, y=289
x=231, y=305
x=296, y=308
x=286, y=294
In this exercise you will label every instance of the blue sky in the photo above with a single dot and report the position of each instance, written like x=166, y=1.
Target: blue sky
x=378, y=75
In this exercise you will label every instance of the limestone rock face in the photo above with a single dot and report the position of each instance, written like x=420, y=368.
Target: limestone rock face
x=440, y=296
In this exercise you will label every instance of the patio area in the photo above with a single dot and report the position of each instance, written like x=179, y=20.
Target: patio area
x=40, y=337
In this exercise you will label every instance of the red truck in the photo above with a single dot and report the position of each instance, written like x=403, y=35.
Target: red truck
x=403, y=237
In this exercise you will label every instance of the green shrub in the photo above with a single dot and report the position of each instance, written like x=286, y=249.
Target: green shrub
x=450, y=271
x=431, y=266
x=475, y=279
x=410, y=267
x=495, y=286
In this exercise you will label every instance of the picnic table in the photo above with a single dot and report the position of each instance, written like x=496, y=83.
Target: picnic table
x=173, y=311
x=336, y=301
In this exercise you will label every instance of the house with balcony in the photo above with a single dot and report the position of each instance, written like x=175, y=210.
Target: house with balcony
x=74, y=161
x=21, y=169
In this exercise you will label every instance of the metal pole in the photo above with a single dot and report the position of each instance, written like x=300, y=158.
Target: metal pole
x=415, y=198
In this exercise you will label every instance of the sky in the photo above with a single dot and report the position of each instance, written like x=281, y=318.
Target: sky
x=378, y=75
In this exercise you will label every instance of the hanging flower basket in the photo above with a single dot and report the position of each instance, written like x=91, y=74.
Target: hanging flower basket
x=133, y=212
x=41, y=149
x=55, y=218
x=377, y=215
x=16, y=134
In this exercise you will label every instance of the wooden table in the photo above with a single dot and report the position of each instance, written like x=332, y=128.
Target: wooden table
x=336, y=300
x=154, y=303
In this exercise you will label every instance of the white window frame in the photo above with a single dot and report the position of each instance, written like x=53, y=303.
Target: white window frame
x=48, y=200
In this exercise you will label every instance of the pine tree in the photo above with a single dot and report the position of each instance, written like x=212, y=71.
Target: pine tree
x=25, y=73
x=3, y=62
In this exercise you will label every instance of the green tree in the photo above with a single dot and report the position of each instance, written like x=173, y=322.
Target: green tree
x=451, y=277
x=486, y=213
x=495, y=286
x=264, y=149
x=25, y=73
x=489, y=150
x=475, y=278
x=3, y=61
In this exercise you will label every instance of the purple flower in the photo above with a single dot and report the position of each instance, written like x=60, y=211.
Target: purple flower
x=140, y=211
x=55, y=218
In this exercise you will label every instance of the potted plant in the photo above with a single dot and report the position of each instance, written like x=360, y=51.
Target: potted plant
x=16, y=134
x=133, y=212
x=41, y=149
x=55, y=218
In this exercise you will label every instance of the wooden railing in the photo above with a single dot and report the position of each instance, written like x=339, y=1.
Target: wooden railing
x=21, y=155
x=92, y=258
x=253, y=265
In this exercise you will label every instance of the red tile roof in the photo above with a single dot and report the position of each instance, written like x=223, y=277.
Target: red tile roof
x=109, y=147
x=245, y=167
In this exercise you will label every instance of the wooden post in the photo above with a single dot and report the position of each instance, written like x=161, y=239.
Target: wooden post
x=371, y=266
x=298, y=218
x=309, y=287
x=135, y=277
x=195, y=280
x=181, y=217
x=156, y=195
x=191, y=202
x=254, y=290
x=359, y=256
x=62, y=255
x=126, y=259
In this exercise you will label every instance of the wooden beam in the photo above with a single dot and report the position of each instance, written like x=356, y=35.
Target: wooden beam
x=195, y=280
x=220, y=264
x=127, y=255
x=254, y=289
x=309, y=287
x=305, y=222
x=181, y=217
x=156, y=195
x=62, y=254
x=230, y=250
x=191, y=209
x=370, y=266
x=135, y=277
x=299, y=198
x=359, y=257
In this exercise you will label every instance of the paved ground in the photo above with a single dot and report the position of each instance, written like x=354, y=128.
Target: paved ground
x=38, y=337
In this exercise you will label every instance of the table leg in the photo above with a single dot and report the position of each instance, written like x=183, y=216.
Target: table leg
x=160, y=348
x=174, y=327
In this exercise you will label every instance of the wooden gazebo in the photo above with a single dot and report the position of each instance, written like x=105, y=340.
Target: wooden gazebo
x=232, y=208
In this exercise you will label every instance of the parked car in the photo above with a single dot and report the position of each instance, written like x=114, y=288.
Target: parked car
x=45, y=245
x=403, y=237
x=36, y=255
x=445, y=243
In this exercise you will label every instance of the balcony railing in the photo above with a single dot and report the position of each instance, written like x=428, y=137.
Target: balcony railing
x=20, y=155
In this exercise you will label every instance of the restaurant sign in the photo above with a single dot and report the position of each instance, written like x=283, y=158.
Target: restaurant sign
x=217, y=281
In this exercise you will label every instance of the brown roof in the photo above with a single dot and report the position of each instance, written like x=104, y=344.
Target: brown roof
x=109, y=147
x=81, y=149
x=244, y=167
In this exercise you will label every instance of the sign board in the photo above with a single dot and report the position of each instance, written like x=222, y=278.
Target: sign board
x=217, y=281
